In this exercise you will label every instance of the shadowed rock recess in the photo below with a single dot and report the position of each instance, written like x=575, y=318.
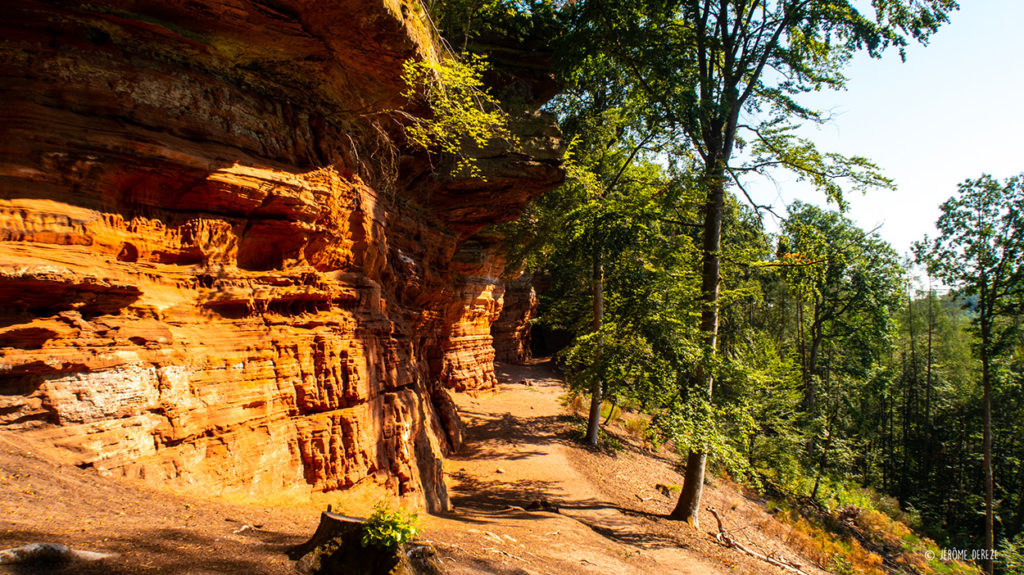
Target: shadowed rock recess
x=219, y=269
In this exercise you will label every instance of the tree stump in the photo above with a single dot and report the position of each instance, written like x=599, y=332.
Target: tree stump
x=333, y=526
x=336, y=548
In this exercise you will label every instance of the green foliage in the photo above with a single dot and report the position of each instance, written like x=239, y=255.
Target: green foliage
x=980, y=251
x=623, y=360
x=605, y=441
x=388, y=528
x=763, y=382
x=776, y=146
x=853, y=279
x=463, y=114
x=726, y=74
x=842, y=566
x=1011, y=555
x=468, y=23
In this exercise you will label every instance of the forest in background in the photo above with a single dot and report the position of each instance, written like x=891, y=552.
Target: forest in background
x=809, y=363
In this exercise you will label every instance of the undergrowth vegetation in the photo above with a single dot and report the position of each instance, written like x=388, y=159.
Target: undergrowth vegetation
x=388, y=528
x=850, y=530
x=846, y=529
x=578, y=429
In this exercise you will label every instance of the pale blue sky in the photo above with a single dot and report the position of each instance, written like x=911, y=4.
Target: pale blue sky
x=952, y=111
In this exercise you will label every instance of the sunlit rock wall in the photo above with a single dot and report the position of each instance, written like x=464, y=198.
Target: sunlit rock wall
x=511, y=330
x=219, y=270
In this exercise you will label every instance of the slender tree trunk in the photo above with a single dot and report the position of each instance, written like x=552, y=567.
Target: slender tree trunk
x=1019, y=517
x=823, y=458
x=986, y=383
x=469, y=19
x=885, y=441
x=611, y=409
x=688, y=506
x=909, y=417
x=889, y=462
x=597, y=287
x=813, y=373
x=928, y=384
x=804, y=367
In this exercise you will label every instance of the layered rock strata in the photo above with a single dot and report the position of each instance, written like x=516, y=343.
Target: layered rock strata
x=511, y=331
x=218, y=269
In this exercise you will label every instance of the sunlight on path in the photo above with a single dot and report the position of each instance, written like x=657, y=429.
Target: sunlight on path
x=515, y=470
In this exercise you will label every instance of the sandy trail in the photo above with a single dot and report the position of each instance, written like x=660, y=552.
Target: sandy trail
x=519, y=452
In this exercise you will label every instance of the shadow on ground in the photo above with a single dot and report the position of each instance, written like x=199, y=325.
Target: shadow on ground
x=164, y=551
x=490, y=499
x=490, y=437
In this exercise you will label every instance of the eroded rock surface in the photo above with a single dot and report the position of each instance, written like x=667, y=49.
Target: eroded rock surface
x=217, y=267
x=511, y=331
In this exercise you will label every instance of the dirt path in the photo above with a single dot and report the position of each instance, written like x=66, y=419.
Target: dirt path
x=610, y=519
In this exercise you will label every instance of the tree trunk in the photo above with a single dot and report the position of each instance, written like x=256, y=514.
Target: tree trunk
x=985, y=305
x=823, y=459
x=890, y=438
x=986, y=382
x=804, y=368
x=1018, y=522
x=332, y=526
x=597, y=287
x=688, y=505
x=817, y=336
x=928, y=431
x=909, y=375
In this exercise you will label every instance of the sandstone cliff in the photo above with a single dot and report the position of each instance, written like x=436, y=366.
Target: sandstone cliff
x=511, y=331
x=218, y=268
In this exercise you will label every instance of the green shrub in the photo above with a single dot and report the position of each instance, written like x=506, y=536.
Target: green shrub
x=1011, y=554
x=388, y=528
x=637, y=426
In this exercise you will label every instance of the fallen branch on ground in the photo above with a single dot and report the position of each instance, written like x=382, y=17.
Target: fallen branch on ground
x=724, y=538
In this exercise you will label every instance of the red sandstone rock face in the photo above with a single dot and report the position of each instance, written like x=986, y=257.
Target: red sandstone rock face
x=511, y=331
x=208, y=275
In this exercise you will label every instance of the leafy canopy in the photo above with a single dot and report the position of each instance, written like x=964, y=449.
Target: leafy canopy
x=980, y=249
x=726, y=74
